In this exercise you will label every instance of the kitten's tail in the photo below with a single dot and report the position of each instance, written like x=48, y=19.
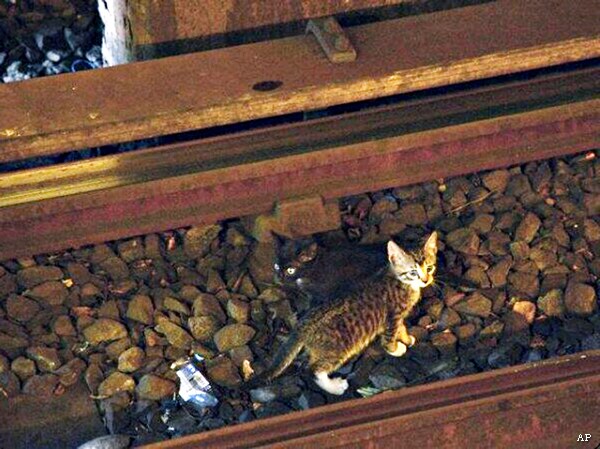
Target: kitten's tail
x=283, y=358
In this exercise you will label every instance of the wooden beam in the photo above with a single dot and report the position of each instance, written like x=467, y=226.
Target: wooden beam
x=171, y=95
x=540, y=405
x=144, y=29
x=112, y=197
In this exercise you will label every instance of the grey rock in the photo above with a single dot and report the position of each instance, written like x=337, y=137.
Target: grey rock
x=592, y=204
x=222, y=371
x=274, y=408
x=524, y=283
x=131, y=250
x=109, y=309
x=386, y=377
x=591, y=342
x=8, y=285
x=103, y=330
x=498, y=273
x=197, y=240
x=238, y=310
x=448, y=319
x=233, y=335
x=63, y=327
x=131, y=359
x=116, y=383
x=20, y=308
x=463, y=240
x=444, y=342
x=496, y=180
x=155, y=388
x=4, y=364
x=310, y=399
x=475, y=305
x=41, y=385
x=23, y=367
x=465, y=333
x=543, y=258
x=580, y=299
x=279, y=390
x=203, y=328
x=93, y=377
x=10, y=342
x=174, y=305
x=478, y=276
x=552, y=303
x=107, y=442
x=240, y=354
x=53, y=293
x=383, y=206
x=528, y=228
x=272, y=294
x=140, y=308
x=208, y=305
x=46, y=359
x=115, y=267
x=412, y=214
x=100, y=253
x=30, y=277
x=518, y=185
x=532, y=356
x=70, y=372
x=482, y=223
x=176, y=335
x=9, y=384
x=591, y=230
x=215, y=283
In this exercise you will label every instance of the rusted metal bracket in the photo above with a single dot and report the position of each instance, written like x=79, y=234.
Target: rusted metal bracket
x=295, y=218
x=334, y=41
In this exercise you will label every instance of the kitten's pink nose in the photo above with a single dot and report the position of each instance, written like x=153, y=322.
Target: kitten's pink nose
x=427, y=279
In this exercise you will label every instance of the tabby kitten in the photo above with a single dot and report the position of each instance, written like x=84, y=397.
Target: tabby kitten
x=323, y=274
x=335, y=332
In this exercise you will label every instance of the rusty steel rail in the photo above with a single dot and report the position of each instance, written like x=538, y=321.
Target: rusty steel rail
x=541, y=405
x=58, y=207
x=206, y=89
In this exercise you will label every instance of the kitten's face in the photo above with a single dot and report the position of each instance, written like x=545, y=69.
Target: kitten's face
x=415, y=268
x=291, y=258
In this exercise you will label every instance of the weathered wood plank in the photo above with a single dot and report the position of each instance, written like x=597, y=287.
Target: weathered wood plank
x=232, y=185
x=212, y=88
x=407, y=116
x=144, y=29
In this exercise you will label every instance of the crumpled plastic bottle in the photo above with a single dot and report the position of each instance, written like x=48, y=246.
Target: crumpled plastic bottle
x=194, y=387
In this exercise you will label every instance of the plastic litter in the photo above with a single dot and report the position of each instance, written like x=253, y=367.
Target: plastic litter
x=194, y=387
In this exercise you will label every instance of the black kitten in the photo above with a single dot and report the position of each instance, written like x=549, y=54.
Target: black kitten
x=324, y=274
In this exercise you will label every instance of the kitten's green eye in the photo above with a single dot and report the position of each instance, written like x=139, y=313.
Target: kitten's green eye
x=290, y=270
x=430, y=269
x=413, y=273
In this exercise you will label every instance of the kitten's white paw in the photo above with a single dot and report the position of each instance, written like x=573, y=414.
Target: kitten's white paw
x=413, y=340
x=400, y=350
x=336, y=386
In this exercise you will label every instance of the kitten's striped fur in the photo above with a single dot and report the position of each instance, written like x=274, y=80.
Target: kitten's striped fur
x=343, y=328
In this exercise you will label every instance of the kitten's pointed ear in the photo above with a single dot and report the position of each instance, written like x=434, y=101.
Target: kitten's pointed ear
x=430, y=247
x=277, y=239
x=309, y=253
x=396, y=255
